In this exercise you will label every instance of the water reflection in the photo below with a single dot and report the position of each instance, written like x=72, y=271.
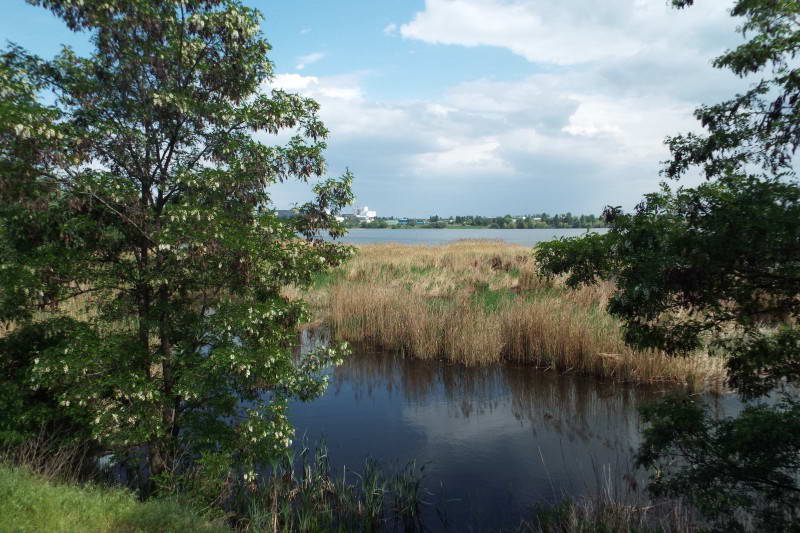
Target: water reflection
x=494, y=439
x=431, y=237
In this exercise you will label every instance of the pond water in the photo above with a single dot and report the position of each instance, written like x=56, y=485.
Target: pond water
x=494, y=440
x=524, y=237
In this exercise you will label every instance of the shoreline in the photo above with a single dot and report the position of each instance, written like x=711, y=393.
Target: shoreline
x=479, y=302
x=427, y=226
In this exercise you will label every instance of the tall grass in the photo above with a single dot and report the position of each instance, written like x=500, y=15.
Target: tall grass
x=616, y=504
x=300, y=492
x=49, y=485
x=477, y=302
x=32, y=503
x=603, y=514
x=318, y=500
x=42, y=488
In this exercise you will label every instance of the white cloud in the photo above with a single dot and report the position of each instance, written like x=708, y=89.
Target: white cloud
x=517, y=26
x=439, y=110
x=575, y=136
x=310, y=59
x=390, y=29
x=294, y=82
x=341, y=93
x=490, y=129
x=455, y=156
x=637, y=125
x=563, y=33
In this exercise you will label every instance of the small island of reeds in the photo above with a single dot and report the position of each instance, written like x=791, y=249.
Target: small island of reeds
x=477, y=302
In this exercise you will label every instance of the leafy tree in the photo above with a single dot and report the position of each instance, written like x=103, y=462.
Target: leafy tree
x=137, y=243
x=375, y=224
x=717, y=267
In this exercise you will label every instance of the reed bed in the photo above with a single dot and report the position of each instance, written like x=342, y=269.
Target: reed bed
x=611, y=508
x=479, y=302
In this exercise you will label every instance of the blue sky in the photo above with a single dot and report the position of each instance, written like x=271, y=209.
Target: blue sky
x=483, y=106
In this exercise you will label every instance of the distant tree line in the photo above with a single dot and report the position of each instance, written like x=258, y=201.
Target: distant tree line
x=540, y=220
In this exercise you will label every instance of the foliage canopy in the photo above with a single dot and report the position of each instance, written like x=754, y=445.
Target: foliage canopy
x=717, y=267
x=137, y=243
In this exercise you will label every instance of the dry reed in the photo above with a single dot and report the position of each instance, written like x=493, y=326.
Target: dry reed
x=477, y=302
x=51, y=457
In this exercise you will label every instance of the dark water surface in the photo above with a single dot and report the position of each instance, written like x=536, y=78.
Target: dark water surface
x=524, y=237
x=494, y=440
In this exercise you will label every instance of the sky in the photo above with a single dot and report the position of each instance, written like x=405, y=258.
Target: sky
x=484, y=107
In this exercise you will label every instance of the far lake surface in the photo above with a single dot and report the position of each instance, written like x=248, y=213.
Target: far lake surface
x=524, y=237
x=494, y=440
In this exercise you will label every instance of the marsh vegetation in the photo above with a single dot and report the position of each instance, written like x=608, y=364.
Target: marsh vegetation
x=478, y=302
x=151, y=300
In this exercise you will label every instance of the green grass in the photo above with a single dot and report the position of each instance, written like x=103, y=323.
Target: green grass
x=321, y=280
x=421, y=270
x=30, y=503
x=490, y=300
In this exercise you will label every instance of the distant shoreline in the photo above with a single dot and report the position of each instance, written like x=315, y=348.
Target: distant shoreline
x=474, y=227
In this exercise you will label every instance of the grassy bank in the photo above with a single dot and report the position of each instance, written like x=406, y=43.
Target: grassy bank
x=32, y=503
x=48, y=488
x=478, y=302
x=316, y=502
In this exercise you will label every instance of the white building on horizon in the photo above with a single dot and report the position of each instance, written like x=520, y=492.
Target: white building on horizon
x=363, y=214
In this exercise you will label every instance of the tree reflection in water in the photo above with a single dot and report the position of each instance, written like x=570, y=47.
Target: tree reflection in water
x=496, y=439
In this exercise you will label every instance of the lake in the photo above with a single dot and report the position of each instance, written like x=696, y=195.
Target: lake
x=494, y=440
x=524, y=237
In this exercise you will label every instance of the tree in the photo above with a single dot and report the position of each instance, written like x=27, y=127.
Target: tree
x=137, y=238
x=717, y=267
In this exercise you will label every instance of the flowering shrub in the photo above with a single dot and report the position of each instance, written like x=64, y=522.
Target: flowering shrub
x=137, y=204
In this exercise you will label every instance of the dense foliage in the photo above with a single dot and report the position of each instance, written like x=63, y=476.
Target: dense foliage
x=140, y=262
x=717, y=267
x=538, y=220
